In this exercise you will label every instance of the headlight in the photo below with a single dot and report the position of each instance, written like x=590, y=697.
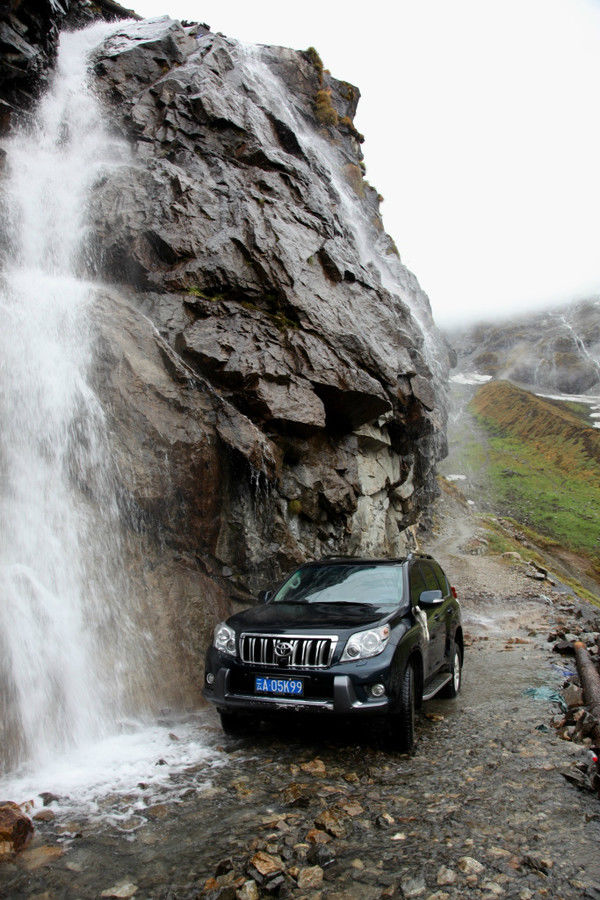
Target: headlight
x=366, y=643
x=224, y=639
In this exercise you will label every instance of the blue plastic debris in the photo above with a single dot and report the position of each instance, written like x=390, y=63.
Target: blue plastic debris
x=566, y=673
x=546, y=693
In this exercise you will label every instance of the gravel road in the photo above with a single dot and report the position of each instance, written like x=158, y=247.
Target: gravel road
x=480, y=810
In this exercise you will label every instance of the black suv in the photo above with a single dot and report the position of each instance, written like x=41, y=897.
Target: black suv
x=345, y=637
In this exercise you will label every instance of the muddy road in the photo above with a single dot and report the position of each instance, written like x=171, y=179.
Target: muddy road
x=481, y=810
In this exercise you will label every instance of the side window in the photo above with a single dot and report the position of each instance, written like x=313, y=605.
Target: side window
x=443, y=581
x=431, y=582
x=416, y=584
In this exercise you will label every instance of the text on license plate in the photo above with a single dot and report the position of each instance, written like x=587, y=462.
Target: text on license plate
x=265, y=685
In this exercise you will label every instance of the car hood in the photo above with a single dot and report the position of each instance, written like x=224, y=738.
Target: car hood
x=276, y=617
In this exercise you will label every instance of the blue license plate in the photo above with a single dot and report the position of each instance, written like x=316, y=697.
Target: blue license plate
x=285, y=687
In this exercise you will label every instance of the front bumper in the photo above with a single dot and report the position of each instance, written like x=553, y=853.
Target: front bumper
x=343, y=701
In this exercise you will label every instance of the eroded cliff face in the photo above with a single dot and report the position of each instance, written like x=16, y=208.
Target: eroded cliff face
x=270, y=370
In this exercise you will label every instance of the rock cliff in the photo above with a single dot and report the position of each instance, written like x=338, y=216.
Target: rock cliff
x=270, y=370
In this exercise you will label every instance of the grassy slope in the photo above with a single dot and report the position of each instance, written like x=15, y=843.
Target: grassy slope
x=542, y=464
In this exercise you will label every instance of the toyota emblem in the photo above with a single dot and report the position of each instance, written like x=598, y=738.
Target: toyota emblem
x=283, y=649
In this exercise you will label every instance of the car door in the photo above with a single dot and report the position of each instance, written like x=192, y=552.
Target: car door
x=436, y=618
x=417, y=586
x=448, y=610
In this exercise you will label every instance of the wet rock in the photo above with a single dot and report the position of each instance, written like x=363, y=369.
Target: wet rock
x=37, y=857
x=310, y=878
x=263, y=866
x=248, y=891
x=470, y=866
x=573, y=696
x=318, y=836
x=352, y=808
x=538, y=863
x=331, y=821
x=297, y=795
x=48, y=797
x=44, y=815
x=446, y=876
x=320, y=855
x=16, y=829
x=314, y=767
x=413, y=887
x=492, y=888
x=121, y=891
x=384, y=820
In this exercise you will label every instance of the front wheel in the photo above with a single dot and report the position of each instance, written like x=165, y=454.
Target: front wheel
x=453, y=687
x=401, y=724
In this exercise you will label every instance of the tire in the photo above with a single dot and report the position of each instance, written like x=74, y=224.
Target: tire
x=452, y=689
x=235, y=724
x=401, y=724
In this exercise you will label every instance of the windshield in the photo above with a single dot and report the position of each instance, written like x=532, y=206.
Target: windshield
x=374, y=585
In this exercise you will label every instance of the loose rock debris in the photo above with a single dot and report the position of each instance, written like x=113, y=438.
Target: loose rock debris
x=481, y=810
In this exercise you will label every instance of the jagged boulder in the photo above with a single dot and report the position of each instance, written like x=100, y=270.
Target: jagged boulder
x=243, y=229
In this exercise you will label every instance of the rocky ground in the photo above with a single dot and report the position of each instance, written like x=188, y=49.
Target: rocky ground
x=481, y=809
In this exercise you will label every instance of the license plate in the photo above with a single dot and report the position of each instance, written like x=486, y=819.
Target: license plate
x=294, y=687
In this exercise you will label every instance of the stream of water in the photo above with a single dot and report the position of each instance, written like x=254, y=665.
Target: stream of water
x=66, y=637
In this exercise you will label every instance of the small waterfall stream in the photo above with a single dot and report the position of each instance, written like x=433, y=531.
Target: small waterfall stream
x=64, y=627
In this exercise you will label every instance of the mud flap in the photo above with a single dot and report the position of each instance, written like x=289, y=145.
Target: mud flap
x=421, y=618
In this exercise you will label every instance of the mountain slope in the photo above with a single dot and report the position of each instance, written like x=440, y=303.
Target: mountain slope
x=536, y=462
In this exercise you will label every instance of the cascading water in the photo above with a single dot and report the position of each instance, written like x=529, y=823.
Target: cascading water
x=355, y=217
x=64, y=627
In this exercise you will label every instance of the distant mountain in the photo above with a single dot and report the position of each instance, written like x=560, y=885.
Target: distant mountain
x=555, y=350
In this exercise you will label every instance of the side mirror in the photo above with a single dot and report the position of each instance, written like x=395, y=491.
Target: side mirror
x=264, y=596
x=431, y=598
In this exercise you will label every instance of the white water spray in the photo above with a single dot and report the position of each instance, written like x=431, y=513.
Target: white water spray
x=64, y=629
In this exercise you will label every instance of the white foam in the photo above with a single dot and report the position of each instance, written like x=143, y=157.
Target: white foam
x=101, y=778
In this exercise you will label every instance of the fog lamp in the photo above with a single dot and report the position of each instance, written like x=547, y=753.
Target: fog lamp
x=210, y=678
x=377, y=690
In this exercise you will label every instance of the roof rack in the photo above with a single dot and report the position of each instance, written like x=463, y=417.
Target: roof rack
x=332, y=557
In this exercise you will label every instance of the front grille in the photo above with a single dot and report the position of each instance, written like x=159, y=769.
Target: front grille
x=288, y=650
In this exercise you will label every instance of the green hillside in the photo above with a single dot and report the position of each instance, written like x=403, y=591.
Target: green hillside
x=541, y=463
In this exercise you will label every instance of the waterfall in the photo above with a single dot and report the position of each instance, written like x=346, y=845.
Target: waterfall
x=372, y=248
x=65, y=633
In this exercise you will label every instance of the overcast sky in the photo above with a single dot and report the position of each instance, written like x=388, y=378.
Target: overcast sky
x=482, y=133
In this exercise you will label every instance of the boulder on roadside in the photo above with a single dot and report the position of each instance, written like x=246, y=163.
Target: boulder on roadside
x=16, y=829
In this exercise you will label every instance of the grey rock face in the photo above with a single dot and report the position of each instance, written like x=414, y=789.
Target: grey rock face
x=557, y=350
x=295, y=406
